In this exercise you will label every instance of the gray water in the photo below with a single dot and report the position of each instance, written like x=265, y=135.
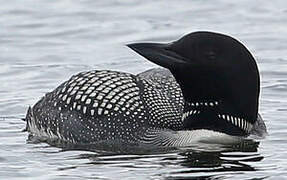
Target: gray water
x=44, y=42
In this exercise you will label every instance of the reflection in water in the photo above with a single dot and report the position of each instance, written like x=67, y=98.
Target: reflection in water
x=209, y=161
x=215, y=163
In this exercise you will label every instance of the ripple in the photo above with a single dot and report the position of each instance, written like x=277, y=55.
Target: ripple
x=42, y=43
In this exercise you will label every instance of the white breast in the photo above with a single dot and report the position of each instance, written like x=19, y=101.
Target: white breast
x=169, y=138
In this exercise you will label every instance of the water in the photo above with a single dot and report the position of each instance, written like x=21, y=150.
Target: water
x=42, y=43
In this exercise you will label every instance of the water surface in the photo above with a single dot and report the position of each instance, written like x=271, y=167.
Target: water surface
x=42, y=43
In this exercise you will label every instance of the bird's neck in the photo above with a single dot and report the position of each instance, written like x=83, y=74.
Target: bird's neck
x=214, y=115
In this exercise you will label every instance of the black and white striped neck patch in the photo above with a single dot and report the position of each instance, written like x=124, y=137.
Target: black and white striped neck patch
x=237, y=121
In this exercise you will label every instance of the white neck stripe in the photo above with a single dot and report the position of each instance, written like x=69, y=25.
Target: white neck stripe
x=236, y=121
x=239, y=122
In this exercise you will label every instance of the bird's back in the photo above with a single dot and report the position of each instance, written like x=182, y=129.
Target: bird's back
x=108, y=106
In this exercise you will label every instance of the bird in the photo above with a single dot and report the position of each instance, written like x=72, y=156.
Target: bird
x=207, y=88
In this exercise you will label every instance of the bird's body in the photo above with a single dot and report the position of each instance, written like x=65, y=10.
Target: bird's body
x=148, y=108
x=108, y=105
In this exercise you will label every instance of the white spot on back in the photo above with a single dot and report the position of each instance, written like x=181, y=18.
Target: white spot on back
x=88, y=101
x=78, y=96
x=83, y=98
x=99, y=97
x=109, y=106
x=93, y=94
x=100, y=110
x=92, y=112
x=64, y=97
x=95, y=104
x=68, y=100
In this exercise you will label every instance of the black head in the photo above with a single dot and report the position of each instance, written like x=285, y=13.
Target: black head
x=210, y=67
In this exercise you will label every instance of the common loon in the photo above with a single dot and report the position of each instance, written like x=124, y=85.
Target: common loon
x=209, y=89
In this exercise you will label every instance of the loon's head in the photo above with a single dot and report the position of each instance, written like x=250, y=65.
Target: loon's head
x=218, y=77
